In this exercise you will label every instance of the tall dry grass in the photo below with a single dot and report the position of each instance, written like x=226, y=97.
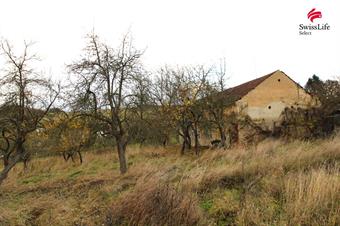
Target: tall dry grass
x=312, y=198
x=154, y=203
x=273, y=183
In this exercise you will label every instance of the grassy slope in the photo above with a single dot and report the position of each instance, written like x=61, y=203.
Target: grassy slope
x=271, y=184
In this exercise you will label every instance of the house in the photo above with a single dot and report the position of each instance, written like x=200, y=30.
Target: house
x=265, y=98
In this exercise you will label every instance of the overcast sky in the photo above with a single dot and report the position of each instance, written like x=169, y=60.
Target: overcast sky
x=255, y=37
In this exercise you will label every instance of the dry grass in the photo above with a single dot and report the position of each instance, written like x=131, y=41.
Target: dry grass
x=274, y=183
x=154, y=202
x=312, y=198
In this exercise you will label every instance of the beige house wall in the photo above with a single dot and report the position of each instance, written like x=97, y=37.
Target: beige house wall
x=266, y=102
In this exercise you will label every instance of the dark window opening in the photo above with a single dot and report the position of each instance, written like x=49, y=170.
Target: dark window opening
x=279, y=80
x=269, y=107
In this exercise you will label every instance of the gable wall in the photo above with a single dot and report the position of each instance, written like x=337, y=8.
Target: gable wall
x=266, y=102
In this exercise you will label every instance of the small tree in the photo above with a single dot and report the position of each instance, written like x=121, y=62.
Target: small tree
x=69, y=135
x=315, y=85
x=196, y=106
x=103, y=79
x=141, y=128
x=179, y=91
x=167, y=89
x=163, y=96
x=327, y=92
x=217, y=101
x=26, y=97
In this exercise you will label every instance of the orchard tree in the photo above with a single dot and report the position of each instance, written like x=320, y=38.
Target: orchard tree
x=26, y=97
x=141, y=121
x=103, y=81
x=164, y=95
x=197, y=77
x=327, y=92
x=178, y=92
x=69, y=134
x=217, y=100
x=167, y=91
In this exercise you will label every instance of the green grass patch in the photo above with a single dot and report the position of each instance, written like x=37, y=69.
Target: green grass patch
x=207, y=204
x=35, y=178
x=75, y=174
x=114, y=165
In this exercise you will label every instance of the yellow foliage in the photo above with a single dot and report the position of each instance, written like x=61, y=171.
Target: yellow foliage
x=67, y=132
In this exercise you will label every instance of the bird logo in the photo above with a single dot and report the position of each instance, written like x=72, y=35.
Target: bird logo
x=314, y=15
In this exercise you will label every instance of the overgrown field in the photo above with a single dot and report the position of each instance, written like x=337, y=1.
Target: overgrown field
x=275, y=183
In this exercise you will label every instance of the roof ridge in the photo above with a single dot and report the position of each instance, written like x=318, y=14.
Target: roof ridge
x=243, y=89
x=264, y=77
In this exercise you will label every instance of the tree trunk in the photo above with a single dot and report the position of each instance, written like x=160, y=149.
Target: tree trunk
x=10, y=165
x=26, y=158
x=142, y=142
x=197, y=145
x=222, y=136
x=6, y=159
x=121, y=147
x=80, y=157
x=188, y=138
x=64, y=156
x=21, y=151
x=183, y=146
x=184, y=143
x=20, y=155
x=164, y=140
x=6, y=151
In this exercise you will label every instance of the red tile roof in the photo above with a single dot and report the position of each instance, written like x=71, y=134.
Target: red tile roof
x=239, y=91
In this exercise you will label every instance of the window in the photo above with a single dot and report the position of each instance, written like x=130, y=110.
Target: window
x=269, y=107
x=279, y=80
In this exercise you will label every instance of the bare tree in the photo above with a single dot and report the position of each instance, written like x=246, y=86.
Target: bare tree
x=103, y=81
x=199, y=76
x=179, y=92
x=217, y=100
x=167, y=91
x=164, y=94
x=142, y=109
x=26, y=98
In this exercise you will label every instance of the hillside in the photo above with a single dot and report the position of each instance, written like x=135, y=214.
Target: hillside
x=275, y=183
